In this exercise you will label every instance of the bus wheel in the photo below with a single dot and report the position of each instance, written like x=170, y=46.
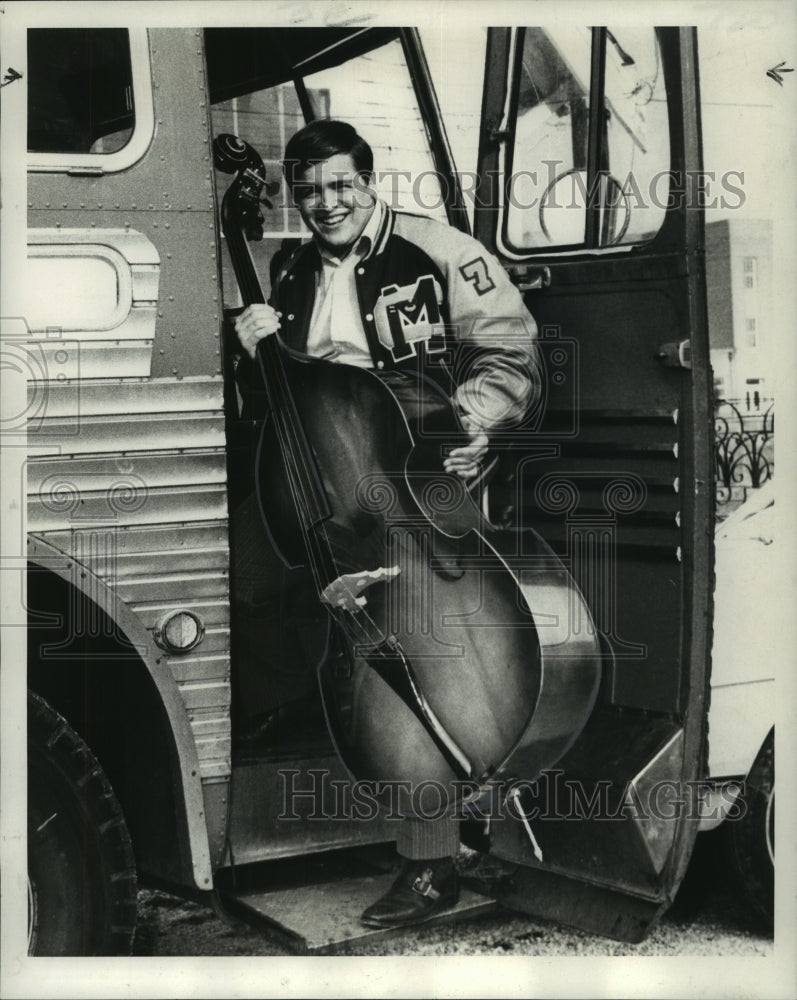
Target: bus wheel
x=750, y=840
x=81, y=870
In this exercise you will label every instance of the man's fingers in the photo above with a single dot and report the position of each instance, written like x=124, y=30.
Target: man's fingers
x=466, y=472
x=464, y=468
x=254, y=324
x=464, y=461
x=467, y=454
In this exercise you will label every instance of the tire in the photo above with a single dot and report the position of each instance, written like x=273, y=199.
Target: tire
x=81, y=870
x=749, y=842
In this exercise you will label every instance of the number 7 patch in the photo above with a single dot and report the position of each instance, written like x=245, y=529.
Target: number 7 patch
x=475, y=271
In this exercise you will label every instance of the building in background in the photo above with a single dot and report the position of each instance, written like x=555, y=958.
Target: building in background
x=740, y=316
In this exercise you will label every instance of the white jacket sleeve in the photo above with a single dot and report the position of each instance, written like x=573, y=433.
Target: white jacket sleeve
x=496, y=368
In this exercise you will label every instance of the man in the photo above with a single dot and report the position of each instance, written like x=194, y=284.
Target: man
x=403, y=295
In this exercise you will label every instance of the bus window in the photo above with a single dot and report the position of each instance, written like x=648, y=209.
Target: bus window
x=89, y=98
x=547, y=187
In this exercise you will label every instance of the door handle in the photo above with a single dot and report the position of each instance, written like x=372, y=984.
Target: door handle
x=675, y=354
x=529, y=278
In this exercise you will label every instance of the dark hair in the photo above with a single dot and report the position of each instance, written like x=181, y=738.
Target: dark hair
x=320, y=140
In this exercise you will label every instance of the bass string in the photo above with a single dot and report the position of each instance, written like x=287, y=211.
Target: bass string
x=320, y=555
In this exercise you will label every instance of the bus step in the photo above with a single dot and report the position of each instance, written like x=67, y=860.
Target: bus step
x=322, y=918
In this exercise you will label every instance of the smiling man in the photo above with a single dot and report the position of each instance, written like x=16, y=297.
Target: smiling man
x=414, y=300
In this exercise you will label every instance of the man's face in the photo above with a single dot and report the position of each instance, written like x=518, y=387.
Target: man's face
x=334, y=201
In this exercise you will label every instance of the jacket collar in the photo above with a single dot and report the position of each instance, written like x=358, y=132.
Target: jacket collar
x=382, y=234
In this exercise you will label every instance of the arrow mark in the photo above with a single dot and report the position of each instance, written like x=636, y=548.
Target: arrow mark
x=10, y=77
x=774, y=73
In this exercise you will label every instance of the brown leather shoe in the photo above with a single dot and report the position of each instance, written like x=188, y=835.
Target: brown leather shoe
x=422, y=890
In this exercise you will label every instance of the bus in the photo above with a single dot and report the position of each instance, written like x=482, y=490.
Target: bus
x=574, y=156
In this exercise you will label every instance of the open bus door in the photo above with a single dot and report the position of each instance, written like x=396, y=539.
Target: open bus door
x=589, y=161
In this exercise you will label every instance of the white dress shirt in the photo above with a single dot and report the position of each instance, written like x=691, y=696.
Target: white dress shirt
x=336, y=329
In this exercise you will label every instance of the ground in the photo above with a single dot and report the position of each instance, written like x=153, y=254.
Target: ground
x=707, y=919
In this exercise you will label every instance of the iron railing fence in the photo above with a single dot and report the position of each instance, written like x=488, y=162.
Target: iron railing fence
x=744, y=455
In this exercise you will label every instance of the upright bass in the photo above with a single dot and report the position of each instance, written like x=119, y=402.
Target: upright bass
x=444, y=666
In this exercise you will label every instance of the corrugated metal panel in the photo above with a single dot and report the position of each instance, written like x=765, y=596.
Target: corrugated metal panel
x=159, y=511
x=134, y=489
x=215, y=769
x=164, y=586
x=125, y=505
x=213, y=613
x=130, y=432
x=116, y=551
x=154, y=470
x=202, y=668
x=205, y=694
x=136, y=395
x=181, y=561
x=211, y=728
x=154, y=539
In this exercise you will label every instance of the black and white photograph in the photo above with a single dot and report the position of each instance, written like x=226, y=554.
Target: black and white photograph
x=394, y=597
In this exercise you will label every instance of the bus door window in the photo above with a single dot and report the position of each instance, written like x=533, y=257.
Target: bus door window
x=551, y=119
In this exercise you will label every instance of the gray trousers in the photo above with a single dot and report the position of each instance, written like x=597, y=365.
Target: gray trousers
x=424, y=839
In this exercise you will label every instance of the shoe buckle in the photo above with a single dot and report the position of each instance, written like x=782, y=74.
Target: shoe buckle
x=423, y=885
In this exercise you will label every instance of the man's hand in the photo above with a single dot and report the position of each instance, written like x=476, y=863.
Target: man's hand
x=255, y=323
x=465, y=461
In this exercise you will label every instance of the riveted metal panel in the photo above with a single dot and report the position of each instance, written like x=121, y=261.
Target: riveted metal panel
x=130, y=257
x=137, y=328
x=173, y=172
x=68, y=358
x=187, y=320
x=74, y=340
x=138, y=251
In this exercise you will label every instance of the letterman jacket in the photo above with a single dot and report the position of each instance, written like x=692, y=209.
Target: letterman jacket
x=432, y=302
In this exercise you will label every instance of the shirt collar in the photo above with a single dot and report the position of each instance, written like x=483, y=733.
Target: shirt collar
x=365, y=240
